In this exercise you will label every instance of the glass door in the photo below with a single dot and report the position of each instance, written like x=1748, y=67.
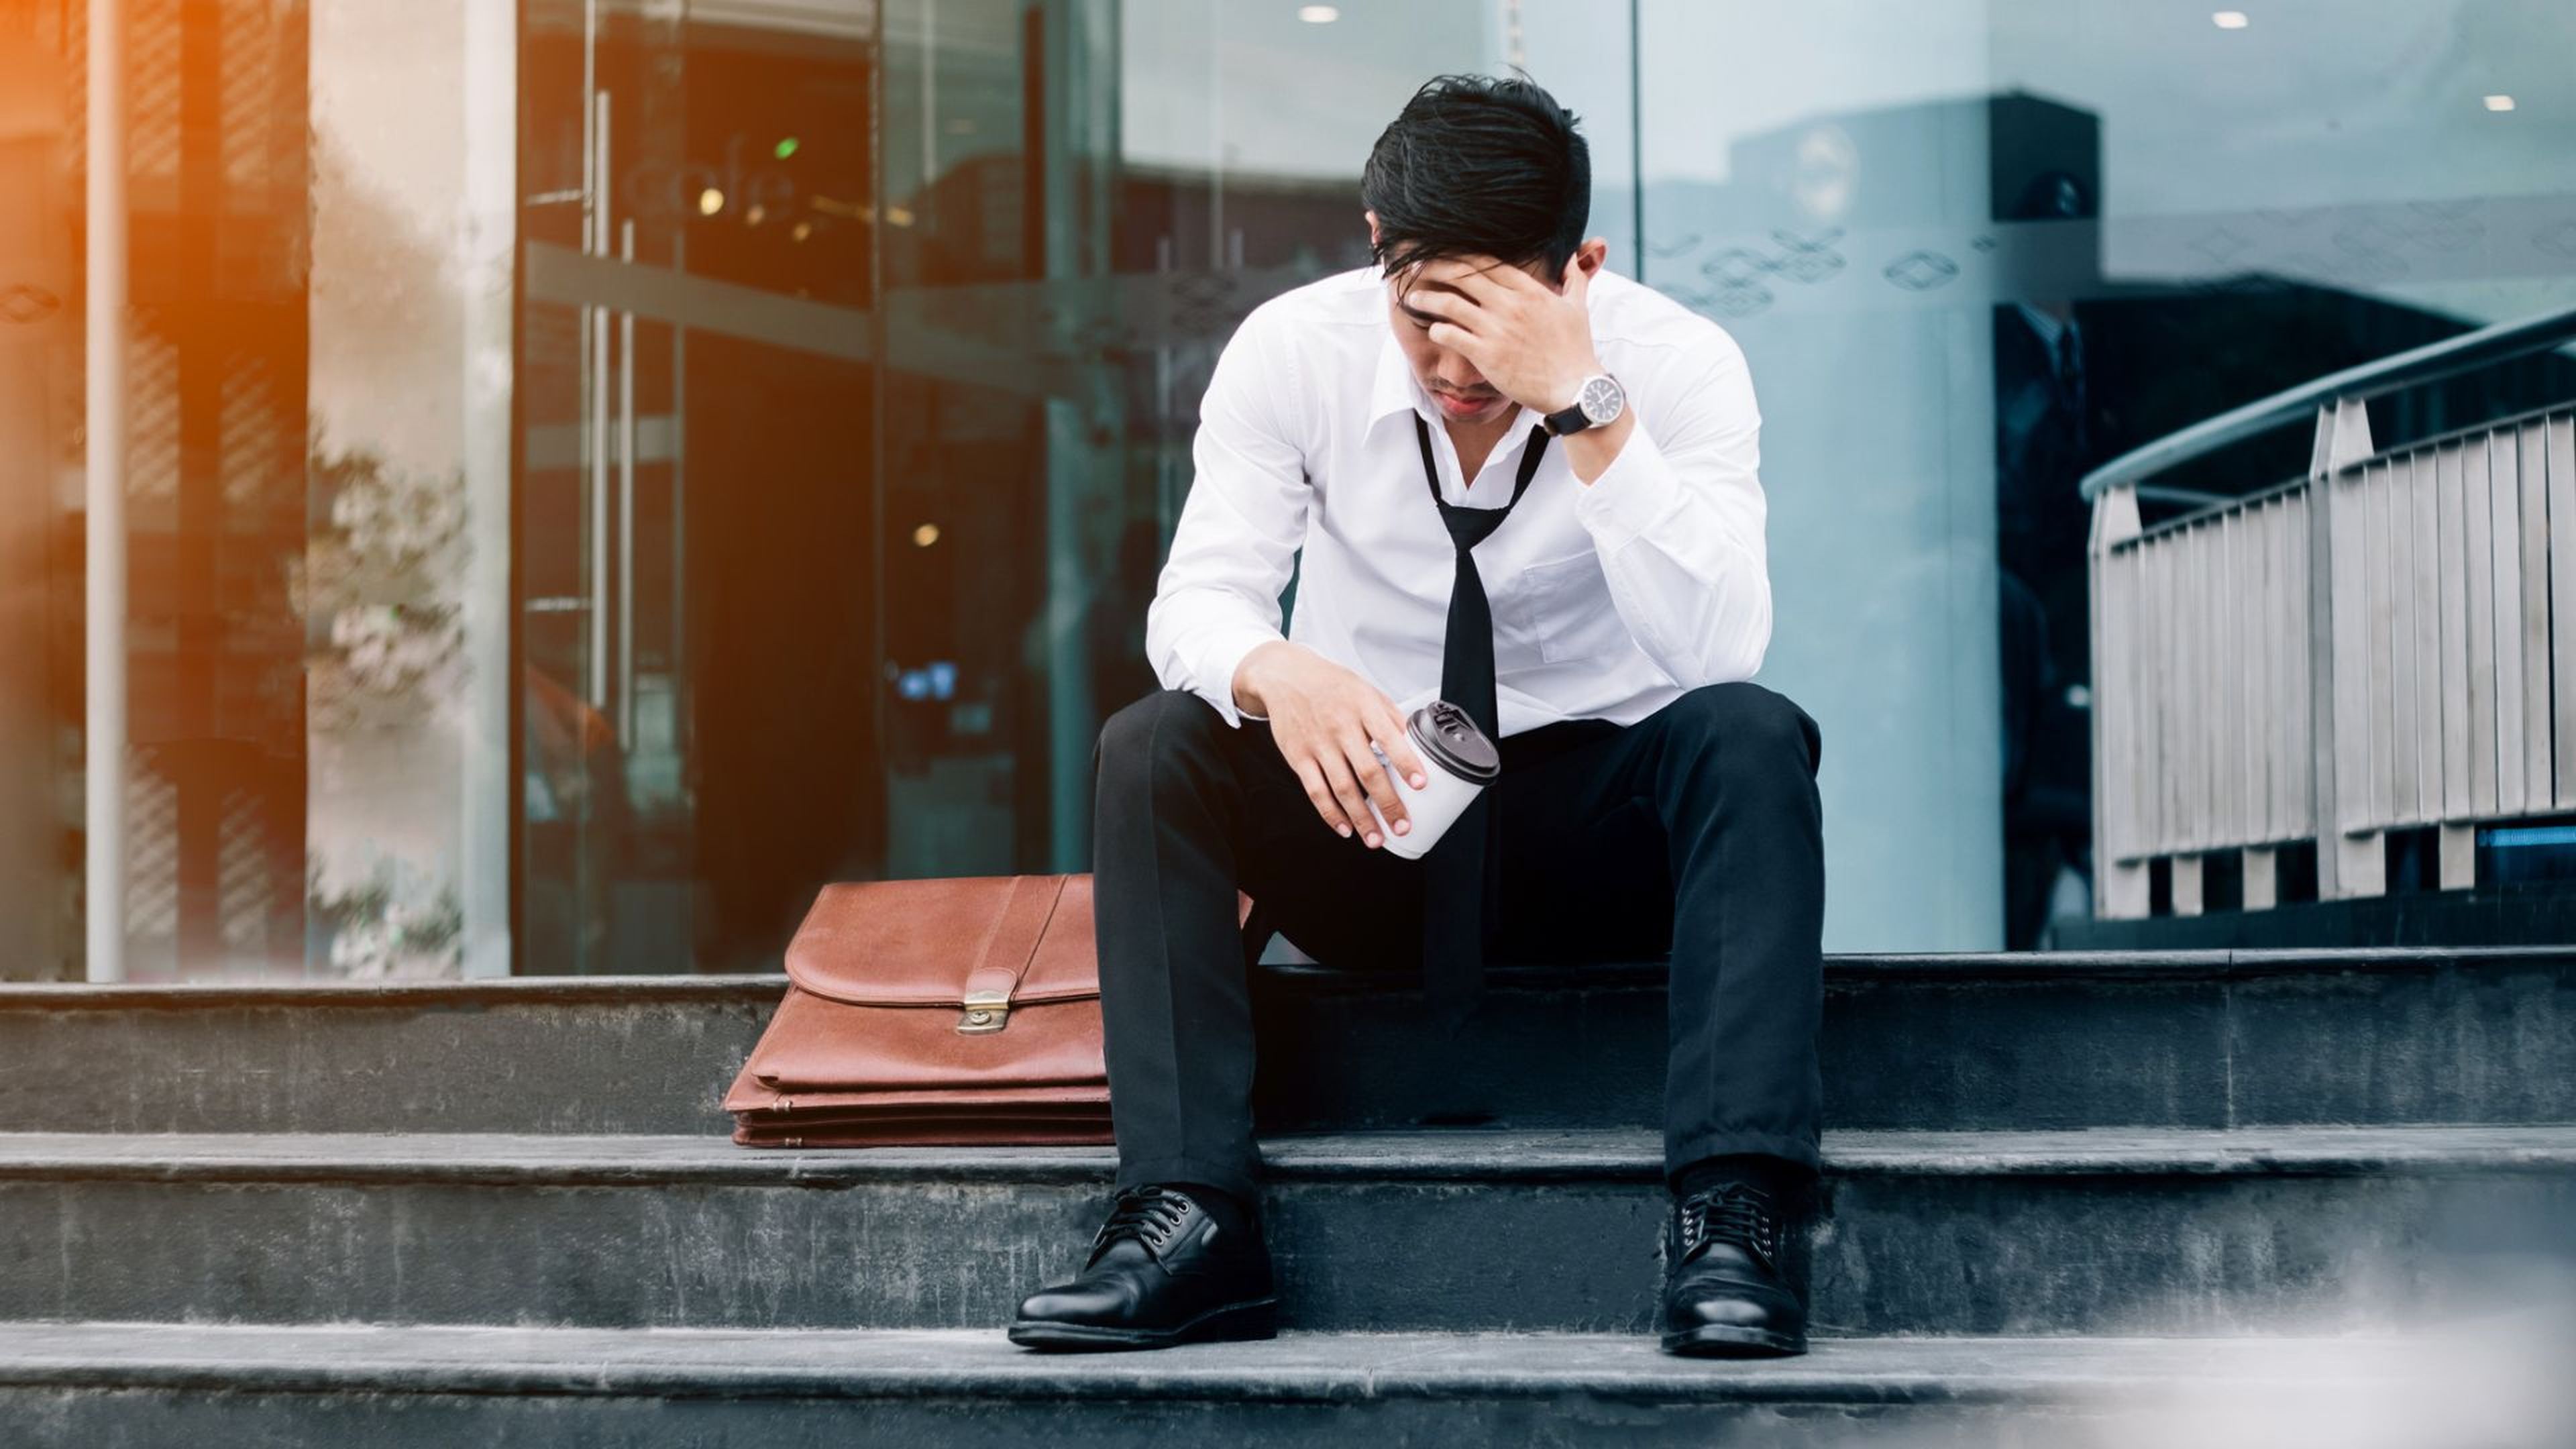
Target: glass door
x=1005, y=430
x=788, y=616
x=696, y=519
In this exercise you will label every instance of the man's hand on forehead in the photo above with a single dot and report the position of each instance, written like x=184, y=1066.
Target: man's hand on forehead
x=1533, y=342
x=1470, y=276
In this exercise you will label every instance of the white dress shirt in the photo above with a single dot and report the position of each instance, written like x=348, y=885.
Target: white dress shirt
x=1609, y=600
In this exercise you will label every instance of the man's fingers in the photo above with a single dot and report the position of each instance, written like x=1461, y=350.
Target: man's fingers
x=1440, y=302
x=1408, y=762
x=1450, y=334
x=1373, y=778
x=1398, y=744
x=1452, y=307
x=1319, y=794
x=1337, y=773
x=1453, y=323
x=1482, y=280
x=1457, y=312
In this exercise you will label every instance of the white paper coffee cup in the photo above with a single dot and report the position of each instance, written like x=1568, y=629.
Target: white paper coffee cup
x=1457, y=762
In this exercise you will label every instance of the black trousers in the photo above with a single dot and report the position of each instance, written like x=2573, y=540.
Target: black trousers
x=1697, y=830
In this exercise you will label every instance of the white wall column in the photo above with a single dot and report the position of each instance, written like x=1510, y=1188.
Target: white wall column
x=103, y=713
x=489, y=237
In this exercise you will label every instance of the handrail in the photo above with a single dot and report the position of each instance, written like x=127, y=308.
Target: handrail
x=2430, y=363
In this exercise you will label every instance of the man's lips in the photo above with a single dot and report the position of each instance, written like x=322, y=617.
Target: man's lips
x=1457, y=404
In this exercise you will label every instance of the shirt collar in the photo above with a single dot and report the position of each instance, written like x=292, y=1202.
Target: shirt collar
x=1396, y=389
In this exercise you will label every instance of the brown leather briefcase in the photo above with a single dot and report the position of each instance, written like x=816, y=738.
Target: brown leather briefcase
x=958, y=1012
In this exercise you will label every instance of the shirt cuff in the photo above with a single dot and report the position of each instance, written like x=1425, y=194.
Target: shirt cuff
x=1218, y=662
x=1634, y=497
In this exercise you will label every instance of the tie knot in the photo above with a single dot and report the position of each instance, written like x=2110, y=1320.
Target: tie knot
x=1469, y=526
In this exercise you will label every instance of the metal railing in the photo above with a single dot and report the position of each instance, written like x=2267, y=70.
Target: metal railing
x=2389, y=643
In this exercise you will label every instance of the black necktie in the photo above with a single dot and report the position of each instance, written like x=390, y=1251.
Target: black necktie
x=1460, y=869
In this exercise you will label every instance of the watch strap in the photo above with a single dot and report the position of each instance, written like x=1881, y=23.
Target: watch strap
x=1572, y=418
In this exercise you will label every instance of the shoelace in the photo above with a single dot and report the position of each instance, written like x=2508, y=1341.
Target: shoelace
x=1734, y=1213
x=1148, y=1212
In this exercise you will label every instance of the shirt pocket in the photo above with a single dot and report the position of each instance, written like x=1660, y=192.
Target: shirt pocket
x=1563, y=607
x=1517, y=644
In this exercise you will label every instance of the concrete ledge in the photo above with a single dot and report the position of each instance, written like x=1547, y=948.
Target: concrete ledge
x=1977, y=967
x=852, y=1364
x=1458, y=1155
x=93, y=1386
x=2292, y=1232
x=407, y=995
x=1909, y=1042
x=764, y=989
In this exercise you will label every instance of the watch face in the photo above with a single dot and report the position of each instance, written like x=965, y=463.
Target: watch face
x=1601, y=400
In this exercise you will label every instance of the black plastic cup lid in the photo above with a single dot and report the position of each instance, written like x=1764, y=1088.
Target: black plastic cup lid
x=1452, y=740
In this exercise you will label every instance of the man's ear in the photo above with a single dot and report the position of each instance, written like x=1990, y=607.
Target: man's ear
x=1371, y=214
x=1587, y=260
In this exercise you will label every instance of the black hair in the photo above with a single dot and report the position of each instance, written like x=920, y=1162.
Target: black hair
x=1479, y=165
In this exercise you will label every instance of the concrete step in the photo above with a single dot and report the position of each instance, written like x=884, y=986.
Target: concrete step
x=1969, y=1042
x=101, y=1385
x=2128, y=1231
x=2206, y=1039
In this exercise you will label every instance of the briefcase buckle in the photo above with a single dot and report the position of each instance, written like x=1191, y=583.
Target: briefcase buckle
x=986, y=1011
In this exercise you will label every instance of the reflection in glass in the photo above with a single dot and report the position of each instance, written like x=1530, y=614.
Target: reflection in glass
x=1974, y=250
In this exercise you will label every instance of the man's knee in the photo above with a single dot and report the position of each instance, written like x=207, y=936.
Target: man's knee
x=1749, y=723
x=1143, y=741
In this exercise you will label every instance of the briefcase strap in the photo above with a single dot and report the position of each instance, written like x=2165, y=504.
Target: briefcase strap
x=1010, y=943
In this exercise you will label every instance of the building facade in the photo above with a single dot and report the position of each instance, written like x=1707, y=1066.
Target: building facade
x=594, y=470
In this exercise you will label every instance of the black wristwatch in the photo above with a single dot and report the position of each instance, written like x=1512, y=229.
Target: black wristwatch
x=1597, y=404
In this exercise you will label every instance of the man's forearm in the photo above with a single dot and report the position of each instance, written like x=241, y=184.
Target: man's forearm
x=1591, y=451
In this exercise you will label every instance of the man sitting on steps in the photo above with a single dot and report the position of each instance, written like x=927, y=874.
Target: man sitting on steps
x=1586, y=579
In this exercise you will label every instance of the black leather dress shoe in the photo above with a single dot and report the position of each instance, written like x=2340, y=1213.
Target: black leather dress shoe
x=1730, y=1290
x=1161, y=1271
